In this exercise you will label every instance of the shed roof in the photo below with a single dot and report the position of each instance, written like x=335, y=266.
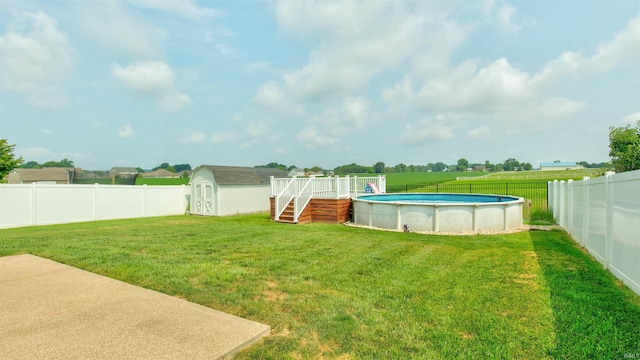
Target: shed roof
x=44, y=174
x=238, y=175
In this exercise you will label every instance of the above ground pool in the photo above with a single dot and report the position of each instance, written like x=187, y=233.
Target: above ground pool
x=439, y=212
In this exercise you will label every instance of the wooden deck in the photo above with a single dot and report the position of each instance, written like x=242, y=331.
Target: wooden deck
x=318, y=210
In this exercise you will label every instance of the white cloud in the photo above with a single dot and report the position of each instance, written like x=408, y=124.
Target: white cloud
x=47, y=131
x=36, y=152
x=126, y=132
x=173, y=101
x=223, y=137
x=35, y=55
x=470, y=88
x=258, y=128
x=271, y=97
x=310, y=137
x=504, y=17
x=428, y=128
x=623, y=48
x=336, y=122
x=358, y=40
x=153, y=78
x=119, y=31
x=145, y=76
x=195, y=137
x=184, y=8
x=630, y=119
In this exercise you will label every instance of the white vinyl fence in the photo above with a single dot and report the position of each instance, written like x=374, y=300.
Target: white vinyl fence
x=45, y=204
x=603, y=215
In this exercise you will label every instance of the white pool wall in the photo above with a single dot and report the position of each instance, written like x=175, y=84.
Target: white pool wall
x=442, y=217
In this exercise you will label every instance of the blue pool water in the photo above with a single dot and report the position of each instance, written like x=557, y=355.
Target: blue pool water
x=438, y=198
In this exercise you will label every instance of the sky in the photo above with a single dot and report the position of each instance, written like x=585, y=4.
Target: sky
x=138, y=83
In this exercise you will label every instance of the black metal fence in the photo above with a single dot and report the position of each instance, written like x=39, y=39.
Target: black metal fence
x=86, y=177
x=536, y=191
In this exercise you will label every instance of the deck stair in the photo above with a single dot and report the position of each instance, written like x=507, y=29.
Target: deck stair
x=288, y=214
x=304, y=200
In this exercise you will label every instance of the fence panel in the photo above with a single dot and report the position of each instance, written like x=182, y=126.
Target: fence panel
x=44, y=204
x=603, y=215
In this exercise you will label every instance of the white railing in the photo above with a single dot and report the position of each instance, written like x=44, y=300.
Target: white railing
x=603, y=215
x=358, y=185
x=302, y=190
x=329, y=187
x=284, y=197
x=303, y=198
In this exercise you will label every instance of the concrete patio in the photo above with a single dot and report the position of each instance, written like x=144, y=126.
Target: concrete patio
x=51, y=310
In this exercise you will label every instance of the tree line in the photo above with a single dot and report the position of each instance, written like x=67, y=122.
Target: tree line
x=624, y=145
x=380, y=167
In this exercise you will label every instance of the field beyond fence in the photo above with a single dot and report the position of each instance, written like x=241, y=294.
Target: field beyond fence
x=534, y=191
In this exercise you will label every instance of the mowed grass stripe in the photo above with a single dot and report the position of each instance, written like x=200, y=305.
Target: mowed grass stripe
x=332, y=291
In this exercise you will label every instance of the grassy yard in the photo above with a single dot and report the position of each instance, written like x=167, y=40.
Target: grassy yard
x=332, y=291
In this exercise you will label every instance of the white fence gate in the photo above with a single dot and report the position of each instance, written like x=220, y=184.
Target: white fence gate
x=603, y=215
x=45, y=204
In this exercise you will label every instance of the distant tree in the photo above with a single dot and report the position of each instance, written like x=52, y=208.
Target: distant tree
x=62, y=163
x=8, y=160
x=181, y=167
x=379, y=167
x=140, y=170
x=161, y=166
x=273, y=165
x=400, y=168
x=317, y=169
x=488, y=165
x=352, y=168
x=463, y=164
x=498, y=167
x=439, y=167
x=511, y=164
x=171, y=169
x=624, y=145
x=31, y=165
x=526, y=166
x=291, y=167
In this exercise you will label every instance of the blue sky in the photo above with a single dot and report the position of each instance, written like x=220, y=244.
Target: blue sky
x=316, y=83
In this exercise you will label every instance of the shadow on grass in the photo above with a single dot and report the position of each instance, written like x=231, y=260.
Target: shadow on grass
x=596, y=316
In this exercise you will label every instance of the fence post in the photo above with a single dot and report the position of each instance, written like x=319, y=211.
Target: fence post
x=570, y=206
x=96, y=188
x=144, y=200
x=608, y=200
x=355, y=186
x=556, y=214
x=561, y=205
x=337, y=187
x=585, y=211
x=34, y=203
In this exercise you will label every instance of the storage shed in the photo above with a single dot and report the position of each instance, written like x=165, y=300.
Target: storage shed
x=229, y=190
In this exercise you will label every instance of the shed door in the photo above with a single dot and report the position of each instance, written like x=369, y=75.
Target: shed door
x=203, y=198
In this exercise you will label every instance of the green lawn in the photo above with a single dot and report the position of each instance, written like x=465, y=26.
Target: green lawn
x=161, y=181
x=332, y=291
x=424, y=178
